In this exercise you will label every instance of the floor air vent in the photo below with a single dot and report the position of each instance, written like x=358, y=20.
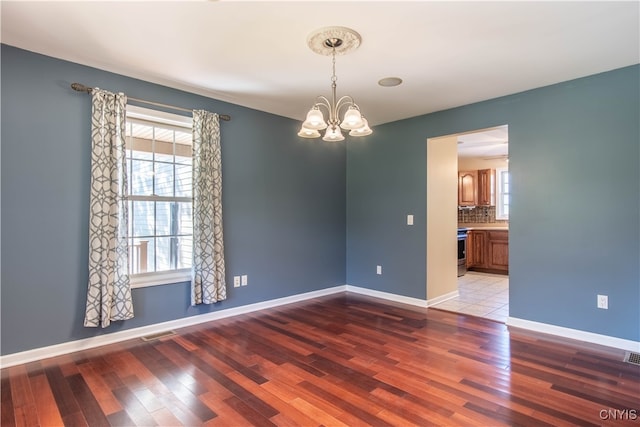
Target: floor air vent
x=631, y=357
x=157, y=336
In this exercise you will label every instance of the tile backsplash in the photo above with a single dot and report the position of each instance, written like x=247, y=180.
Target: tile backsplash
x=479, y=214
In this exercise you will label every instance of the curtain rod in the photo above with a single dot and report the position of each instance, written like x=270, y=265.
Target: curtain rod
x=82, y=88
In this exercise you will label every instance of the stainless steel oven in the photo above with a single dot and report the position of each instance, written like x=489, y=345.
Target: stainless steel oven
x=462, y=251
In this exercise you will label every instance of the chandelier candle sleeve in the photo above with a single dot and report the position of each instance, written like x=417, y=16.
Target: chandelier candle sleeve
x=332, y=41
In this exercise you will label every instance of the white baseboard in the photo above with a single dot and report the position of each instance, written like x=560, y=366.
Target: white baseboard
x=98, y=341
x=442, y=298
x=386, y=295
x=574, y=334
x=87, y=343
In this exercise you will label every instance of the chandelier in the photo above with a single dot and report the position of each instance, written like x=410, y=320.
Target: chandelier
x=332, y=41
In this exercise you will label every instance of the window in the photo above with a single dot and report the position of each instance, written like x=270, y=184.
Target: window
x=159, y=162
x=503, y=196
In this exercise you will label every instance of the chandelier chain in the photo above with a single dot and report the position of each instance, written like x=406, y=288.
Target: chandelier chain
x=334, y=78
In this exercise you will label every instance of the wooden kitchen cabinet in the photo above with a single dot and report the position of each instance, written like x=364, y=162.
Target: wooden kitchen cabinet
x=488, y=250
x=477, y=188
x=476, y=243
x=487, y=187
x=498, y=250
x=468, y=188
x=469, y=255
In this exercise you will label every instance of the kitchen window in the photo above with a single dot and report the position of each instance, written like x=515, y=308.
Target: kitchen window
x=159, y=167
x=502, y=193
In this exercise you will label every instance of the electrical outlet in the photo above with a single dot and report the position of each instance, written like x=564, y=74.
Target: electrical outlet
x=245, y=279
x=603, y=302
x=378, y=269
x=236, y=281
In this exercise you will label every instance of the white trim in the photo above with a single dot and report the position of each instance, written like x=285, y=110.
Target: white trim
x=442, y=298
x=386, y=295
x=156, y=116
x=499, y=206
x=144, y=280
x=97, y=341
x=87, y=343
x=574, y=334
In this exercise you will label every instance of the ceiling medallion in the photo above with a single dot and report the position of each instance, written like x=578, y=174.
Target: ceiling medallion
x=346, y=40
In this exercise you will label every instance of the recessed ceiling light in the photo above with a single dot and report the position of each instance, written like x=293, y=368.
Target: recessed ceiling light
x=390, y=81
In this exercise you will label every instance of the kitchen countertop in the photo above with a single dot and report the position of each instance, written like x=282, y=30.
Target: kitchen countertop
x=494, y=227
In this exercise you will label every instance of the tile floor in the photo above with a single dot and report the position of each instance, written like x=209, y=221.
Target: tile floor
x=481, y=294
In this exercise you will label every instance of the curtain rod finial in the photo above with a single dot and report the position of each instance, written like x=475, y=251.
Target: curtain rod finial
x=81, y=88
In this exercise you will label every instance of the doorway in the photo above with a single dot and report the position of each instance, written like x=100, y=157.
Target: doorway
x=483, y=290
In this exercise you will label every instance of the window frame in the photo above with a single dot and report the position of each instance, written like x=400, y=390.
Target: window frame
x=500, y=214
x=175, y=122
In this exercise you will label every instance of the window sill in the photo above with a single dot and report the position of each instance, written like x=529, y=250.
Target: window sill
x=158, y=279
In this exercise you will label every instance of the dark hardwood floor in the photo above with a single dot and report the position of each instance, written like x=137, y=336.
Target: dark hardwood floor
x=339, y=360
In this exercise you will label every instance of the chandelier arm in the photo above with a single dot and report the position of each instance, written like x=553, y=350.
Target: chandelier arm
x=345, y=101
x=331, y=108
x=322, y=101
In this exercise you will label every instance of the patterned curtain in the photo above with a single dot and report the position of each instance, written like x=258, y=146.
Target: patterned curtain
x=208, y=272
x=109, y=292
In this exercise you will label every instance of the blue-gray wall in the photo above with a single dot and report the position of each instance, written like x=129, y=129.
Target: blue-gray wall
x=575, y=213
x=283, y=199
x=575, y=225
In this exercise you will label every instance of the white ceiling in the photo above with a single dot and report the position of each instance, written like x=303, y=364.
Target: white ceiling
x=255, y=53
x=487, y=144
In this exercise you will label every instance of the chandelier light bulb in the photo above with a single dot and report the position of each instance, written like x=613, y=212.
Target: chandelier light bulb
x=333, y=134
x=364, y=130
x=315, y=119
x=308, y=133
x=352, y=119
